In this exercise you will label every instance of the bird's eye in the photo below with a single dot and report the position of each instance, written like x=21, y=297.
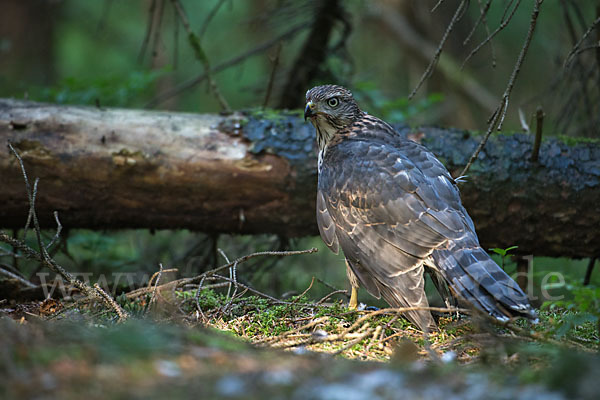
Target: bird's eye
x=333, y=102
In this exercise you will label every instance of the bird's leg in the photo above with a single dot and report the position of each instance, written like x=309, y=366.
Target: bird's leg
x=353, y=304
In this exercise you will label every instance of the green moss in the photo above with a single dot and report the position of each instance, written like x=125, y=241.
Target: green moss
x=574, y=141
x=274, y=115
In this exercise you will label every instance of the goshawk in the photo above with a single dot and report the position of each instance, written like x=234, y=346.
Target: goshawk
x=395, y=211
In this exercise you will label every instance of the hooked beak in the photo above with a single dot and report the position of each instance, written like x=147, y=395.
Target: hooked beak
x=309, y=110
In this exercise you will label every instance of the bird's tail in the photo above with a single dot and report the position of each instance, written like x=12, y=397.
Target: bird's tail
x=475, y=277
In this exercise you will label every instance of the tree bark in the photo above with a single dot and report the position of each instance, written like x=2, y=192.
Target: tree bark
x=256, y=173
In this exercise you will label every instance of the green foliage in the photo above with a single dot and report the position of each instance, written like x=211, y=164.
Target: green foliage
x=397, y=110
x=135, y=308
x=503, y=252
x=114, y=91
x=578, y=313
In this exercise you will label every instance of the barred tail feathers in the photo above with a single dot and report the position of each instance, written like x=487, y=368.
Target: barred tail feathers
x=475, y=277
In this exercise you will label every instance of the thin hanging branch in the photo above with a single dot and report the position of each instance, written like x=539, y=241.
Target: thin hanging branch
x=460, y=11
x=439, y=3
x=575, y=48
x=502, y=25
x=290, y=33
x=482, y=13
x=539, y=114
x=175, y=39
x=200, y=55
x=149, y=28
x=497, y=118
x=156, y=40
x=209, y=18
x=275, y=64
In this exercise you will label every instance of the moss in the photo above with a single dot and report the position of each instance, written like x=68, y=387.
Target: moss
x=574, y=141
x=273, y=114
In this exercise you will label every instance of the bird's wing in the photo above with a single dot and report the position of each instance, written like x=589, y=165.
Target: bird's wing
x=390, y=213
x=326, y=225
x=396, y=207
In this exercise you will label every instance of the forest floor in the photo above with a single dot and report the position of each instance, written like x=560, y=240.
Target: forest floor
x=178, y=343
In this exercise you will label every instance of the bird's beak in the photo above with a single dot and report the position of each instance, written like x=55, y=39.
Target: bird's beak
x=309, y=110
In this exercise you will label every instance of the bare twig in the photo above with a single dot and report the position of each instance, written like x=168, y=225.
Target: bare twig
x=497, y=117
x=175, y=39
x=538, y=134
x=429, y=70
x=208, y=274
x=306, y=291
x=580, y=42
x=58, y=231
x=482, y=13
x=209, y=18
x=344, y=292
x=351, y=343
x=439, y=3
x=232, y=274
x=200, y=55
x=255, y=291
x=425, y=50
x=580, y=69
x=42, y=256
x=487, y=31
x=156, y=41
x=149, y=26
x=153, y=297
x=224, y=65
x=248, y=257
x=275, y=64
x=109, y=301
x=588, y=271
x=489, y=37
x=197, y=299
x=12, y=275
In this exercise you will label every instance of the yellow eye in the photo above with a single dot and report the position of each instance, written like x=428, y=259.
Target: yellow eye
x=333, y=102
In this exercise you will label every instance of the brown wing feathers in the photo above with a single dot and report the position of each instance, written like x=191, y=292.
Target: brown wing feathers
x=393, y=207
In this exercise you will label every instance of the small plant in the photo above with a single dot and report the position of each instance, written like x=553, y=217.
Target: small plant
x=580, y=311
x=503, y=252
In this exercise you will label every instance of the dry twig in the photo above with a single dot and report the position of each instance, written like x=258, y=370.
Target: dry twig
x=112, y=303
x=502, y=25
x=429, y=70
x=497, y=117
x=42, y=255
x=225, y=65
x=149, y=26
x=209, y=18
x=275, y=64
x=200, y=55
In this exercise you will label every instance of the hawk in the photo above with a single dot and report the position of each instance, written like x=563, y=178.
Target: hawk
x=395, y=211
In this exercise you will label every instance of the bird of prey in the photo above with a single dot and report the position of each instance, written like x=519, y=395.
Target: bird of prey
x=395, y=211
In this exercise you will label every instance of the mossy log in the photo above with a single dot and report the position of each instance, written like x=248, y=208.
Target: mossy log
x=255, y=172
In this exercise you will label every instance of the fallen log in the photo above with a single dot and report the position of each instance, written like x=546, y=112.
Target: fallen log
x=255, y=172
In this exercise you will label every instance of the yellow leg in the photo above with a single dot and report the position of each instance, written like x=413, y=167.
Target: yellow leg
x=353, y=304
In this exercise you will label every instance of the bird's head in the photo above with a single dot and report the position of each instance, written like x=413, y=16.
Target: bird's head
x=330, y=108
